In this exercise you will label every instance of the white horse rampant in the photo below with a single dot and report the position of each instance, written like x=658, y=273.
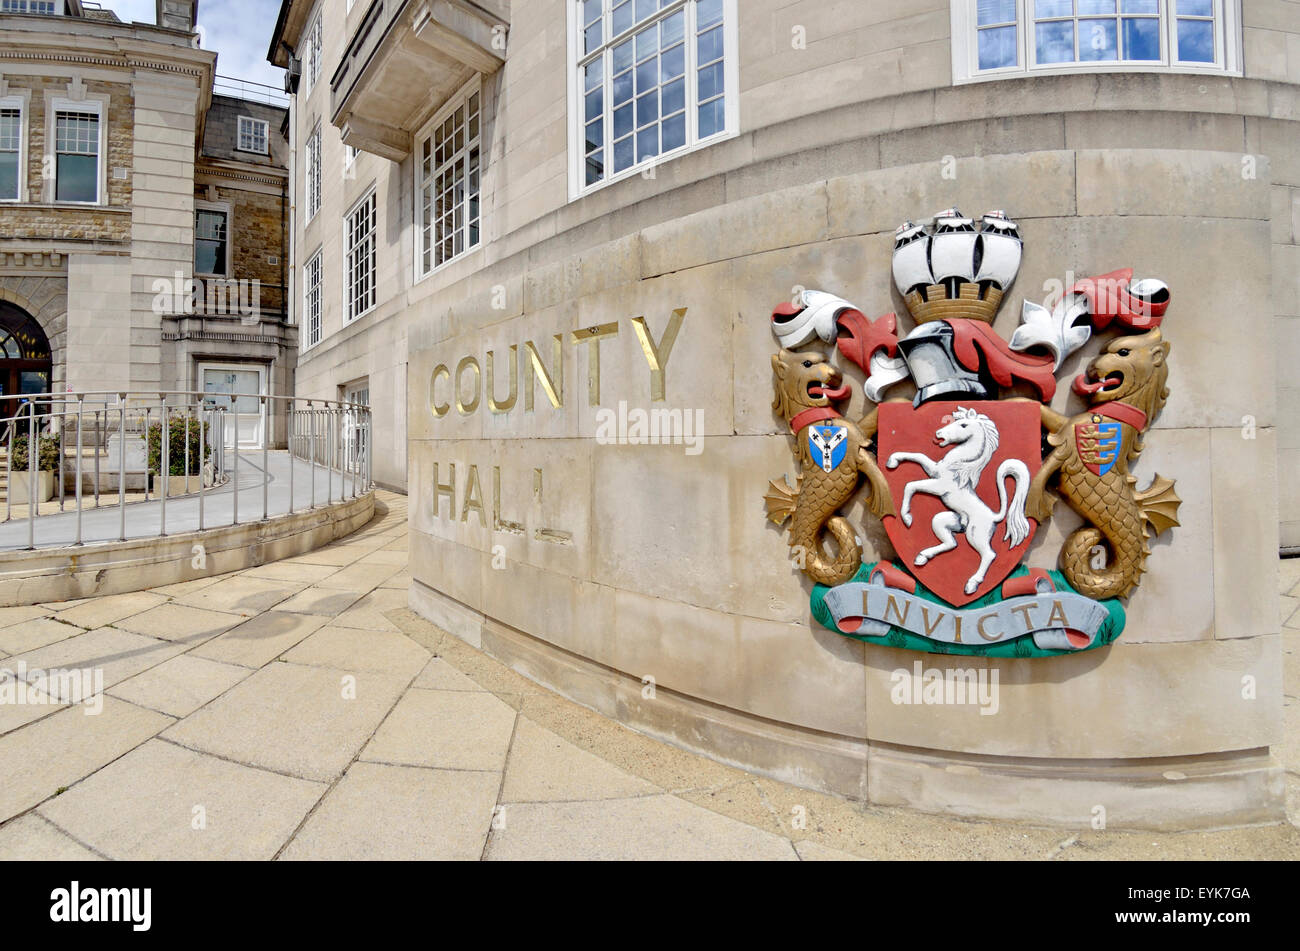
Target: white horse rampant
x=954, y=479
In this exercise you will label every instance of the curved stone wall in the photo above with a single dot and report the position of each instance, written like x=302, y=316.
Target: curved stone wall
x=645, y=581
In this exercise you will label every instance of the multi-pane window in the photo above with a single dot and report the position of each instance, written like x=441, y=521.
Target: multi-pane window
x=652, y=79
x=313, y=56
x=211, y=241
x=1008, y=36
x=359, y=259
x=312, y=299
x=76, y=156
x=448, y=203
x=252, y=135
x=11, y=147
x=312, y=185
x=47, y=7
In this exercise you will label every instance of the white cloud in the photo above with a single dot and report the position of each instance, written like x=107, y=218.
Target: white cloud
x=238, y=30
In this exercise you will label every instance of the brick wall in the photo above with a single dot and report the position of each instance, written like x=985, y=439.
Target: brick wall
x=257, y=233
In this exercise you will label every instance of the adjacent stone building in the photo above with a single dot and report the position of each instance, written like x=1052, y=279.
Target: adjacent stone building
x=512, y=219
x=123, y=179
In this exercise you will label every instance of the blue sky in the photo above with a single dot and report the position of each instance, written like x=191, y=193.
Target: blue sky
x=238, y=30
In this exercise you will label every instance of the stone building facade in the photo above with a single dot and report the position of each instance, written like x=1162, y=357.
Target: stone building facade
x=112, y=140
x=503, y=261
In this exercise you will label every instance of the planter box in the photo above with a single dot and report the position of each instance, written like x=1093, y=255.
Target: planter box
x=18, y=481
x=177, y=485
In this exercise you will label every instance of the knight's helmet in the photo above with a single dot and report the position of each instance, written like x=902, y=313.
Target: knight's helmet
x=955, y=270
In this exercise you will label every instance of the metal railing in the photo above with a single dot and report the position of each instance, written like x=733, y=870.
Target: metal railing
x=142, y=453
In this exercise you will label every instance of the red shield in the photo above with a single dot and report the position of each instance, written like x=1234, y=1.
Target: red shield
x=942, y=462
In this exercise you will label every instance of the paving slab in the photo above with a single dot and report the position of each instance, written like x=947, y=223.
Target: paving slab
x=543, y=767
x=649, y=828
x=440, y=675
x=400, y=813
x=303, y=721
x=115, y=655
x=32, y=838
x=290, y=571
x=350, y=649
x=260, y=640
x=321, y=601
x=241, y=594
x=83, y=744
x=100, y=612
x=164, y=802
x=368, y=613
x=38, y=632
x=362, y=576
x=445, y=729
x=180, y=686
x=26, y=612
x=180, y=622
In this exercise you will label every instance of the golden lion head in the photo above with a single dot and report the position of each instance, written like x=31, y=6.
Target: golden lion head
x=1132, y=370
x=804, y=381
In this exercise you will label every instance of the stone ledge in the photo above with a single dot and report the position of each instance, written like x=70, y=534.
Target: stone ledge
x=66, y=574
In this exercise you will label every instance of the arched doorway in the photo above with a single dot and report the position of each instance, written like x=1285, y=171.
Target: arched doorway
x=25, y=361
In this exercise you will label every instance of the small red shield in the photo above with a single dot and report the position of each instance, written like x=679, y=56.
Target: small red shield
x=959, y=475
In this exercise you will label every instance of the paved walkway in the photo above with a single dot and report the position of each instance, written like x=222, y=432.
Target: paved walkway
x=300, y=710
x=144, y=519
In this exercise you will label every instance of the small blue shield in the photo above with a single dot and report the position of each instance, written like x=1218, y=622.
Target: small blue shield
x=1099, y=444
x=828, y=445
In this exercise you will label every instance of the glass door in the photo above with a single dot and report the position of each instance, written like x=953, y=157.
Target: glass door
x=235, y=390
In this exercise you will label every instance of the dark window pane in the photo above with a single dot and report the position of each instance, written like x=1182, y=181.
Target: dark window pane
x=8, y=175
x=591, y=11
x=595, y=104
x=672, y=29
x=710, y=82
x=674, y=132
x=1053, y=8
x=647, y=143
x=1195, y=41
x=647, y=109
x=1055, y=42
x=998, y=47
x=595, y=167
x=592, y=75
x=710, y=46
x=713, y=118
x=672, y=63
x=623, y=56
x=673, y=97
x=1142, y=39
x=623, y=123
x=624, y=154
x=77, y=178
x=595, y=135
x=996, y=11
x=1097, y=40
x=623, y=17
x=622, y=88
x=647, y=76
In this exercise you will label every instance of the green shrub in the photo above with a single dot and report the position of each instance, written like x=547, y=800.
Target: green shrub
x=47, y=460
x=176, y=457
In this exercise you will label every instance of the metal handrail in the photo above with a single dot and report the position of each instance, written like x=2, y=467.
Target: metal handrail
x=340, y=446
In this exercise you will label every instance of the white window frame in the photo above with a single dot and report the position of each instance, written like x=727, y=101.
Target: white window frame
x=577, y=158
x=19, y=103
x=965, y=46
x=461, y=98
x=313, y=39
x=99, y=106
x=373, y=237
x=222, y=207
x=316, y=262
x=253, y=123
x=311, y=170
